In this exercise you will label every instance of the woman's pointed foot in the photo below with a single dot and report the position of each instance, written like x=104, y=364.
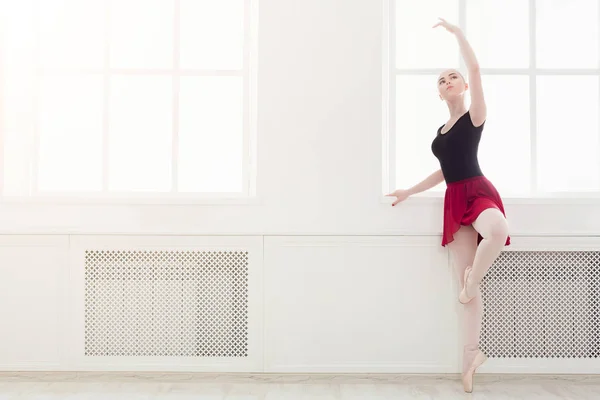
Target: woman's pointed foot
x=467, y=294
x=467, y=376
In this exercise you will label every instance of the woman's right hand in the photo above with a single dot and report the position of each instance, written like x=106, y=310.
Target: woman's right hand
x=400, y=195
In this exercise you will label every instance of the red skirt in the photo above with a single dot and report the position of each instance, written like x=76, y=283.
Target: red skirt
x=464, y=201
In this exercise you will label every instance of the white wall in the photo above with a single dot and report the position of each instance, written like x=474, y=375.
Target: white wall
x=319, y=173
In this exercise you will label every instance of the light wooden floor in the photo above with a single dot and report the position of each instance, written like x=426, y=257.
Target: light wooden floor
x=134, y=386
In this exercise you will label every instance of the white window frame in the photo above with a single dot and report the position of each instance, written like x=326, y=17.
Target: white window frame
x=390, y=72
x=249, y=164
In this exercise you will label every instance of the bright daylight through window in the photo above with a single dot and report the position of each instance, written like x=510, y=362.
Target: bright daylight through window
x=147, y=98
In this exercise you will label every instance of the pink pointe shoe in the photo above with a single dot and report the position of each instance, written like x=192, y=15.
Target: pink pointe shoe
x=464, y=296
x=467, y=377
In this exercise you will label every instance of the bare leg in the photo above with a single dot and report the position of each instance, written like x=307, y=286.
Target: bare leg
x=463, y=250
x=493, y=228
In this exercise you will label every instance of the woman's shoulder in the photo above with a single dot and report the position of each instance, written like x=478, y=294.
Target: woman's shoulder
x=478, y=125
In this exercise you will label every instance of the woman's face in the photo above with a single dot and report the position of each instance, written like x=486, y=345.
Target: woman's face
x=451, y=84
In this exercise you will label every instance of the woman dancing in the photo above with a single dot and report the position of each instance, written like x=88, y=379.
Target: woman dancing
x=475, y=227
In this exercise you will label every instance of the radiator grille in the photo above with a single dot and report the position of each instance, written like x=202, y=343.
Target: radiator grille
x=166, y=303
x=542, y=304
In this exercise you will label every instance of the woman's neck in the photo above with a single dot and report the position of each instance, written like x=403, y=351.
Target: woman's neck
x=457, y=108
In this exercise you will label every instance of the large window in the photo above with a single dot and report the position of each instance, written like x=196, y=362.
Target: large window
x=133, y=98
x=540, y=63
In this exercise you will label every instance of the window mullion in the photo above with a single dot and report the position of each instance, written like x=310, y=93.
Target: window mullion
x=389, y=76
x=246, y=101
x=105, y=100
x=175, y=105
x=462, y=24
x=35, y=103
x=598, y=66
x=533, y=99
x=250, y=74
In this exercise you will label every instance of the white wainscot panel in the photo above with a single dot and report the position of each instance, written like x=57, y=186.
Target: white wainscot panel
x=32, y=273
x=541, y=307
x=166, y=303
x=359, y=304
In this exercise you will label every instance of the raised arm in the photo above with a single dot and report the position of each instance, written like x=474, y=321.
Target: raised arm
x=478, y=110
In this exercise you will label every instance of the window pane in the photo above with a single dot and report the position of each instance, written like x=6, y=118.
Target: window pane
x=568, y=133
x=419, y=113
x=211, y=141
x=17, y=44
x=141, y=33
x=70, y=129
x=567, y=33
x=417, y=44
x=18, y=36
x=72, y=33
x=140, y=139
x=504, y=151
x=17, y=133
x=495, y=45
x=212, y=34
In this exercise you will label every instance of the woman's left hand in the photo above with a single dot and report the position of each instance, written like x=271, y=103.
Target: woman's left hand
x=449, y=27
